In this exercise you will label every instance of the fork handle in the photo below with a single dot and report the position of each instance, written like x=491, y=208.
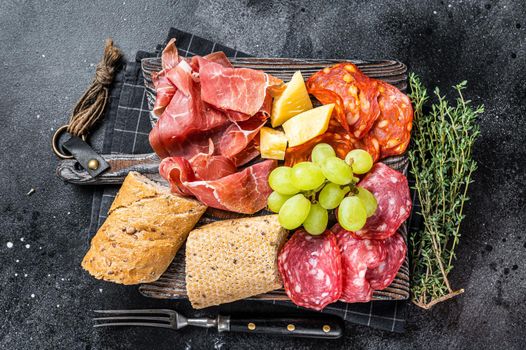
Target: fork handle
x=326, y=327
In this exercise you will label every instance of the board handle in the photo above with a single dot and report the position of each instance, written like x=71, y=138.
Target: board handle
x=120, y=165
x=326, y=327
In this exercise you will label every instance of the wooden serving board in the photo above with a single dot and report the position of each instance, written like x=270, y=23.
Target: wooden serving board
x=171, y=285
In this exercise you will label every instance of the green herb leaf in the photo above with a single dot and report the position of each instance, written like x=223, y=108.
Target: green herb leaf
x=442, y=166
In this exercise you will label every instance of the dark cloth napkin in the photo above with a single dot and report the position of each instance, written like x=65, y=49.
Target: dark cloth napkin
x=127, y=125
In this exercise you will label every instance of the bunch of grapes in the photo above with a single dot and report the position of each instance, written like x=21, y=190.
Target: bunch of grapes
x=304, y=193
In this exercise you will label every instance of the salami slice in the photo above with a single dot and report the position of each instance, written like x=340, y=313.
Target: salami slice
x=368, y=265
x=351, y=88
x=391, y=191
x=357, y=257
x=383, y=275
x=310, y=267
x=392, y=130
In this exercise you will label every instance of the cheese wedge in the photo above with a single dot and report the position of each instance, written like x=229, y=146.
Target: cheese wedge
x=308, y=125
x=292, y=101
x=272, y=143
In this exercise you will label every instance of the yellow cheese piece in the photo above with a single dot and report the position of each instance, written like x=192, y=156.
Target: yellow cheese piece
x=308, y=125
x=272, y=143
x=292, y=101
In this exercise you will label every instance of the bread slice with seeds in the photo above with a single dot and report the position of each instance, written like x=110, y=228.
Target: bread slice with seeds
x=233, y=259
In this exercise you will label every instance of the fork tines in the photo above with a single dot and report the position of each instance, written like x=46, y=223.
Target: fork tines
x=145, y=317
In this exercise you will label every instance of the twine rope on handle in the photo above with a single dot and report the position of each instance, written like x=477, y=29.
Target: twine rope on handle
x=90, y=107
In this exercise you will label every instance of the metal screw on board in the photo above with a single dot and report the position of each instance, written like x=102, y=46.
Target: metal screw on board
x=93, y=164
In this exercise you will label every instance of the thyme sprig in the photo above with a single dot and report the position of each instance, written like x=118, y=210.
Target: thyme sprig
x=442, y=165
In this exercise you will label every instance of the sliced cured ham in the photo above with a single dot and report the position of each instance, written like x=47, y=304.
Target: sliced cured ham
x=368, y=265
x=210, y=167
x=163, y=87
x=391, y=191
x=310, y=267
x=238, y=135
x=236, y=89
x=244, y=191
x=184, y=117
x=165, y=90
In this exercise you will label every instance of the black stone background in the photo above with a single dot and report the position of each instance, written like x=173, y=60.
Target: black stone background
x=48, y=52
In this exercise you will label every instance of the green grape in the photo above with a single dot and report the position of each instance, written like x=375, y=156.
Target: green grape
x=337, y=171
x=294, y=211
x=368, y=201
x=276, y=200
x=316, y=221
x=320, y=152
x=280, y=180
x=331, y=195
x=352, y=214
x=307, y=176
x=360, y=160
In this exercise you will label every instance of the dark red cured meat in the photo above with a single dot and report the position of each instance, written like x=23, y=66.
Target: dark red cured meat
x=357, y=257
x=249, y=153
x=165, y=90
x=163, y=87
x=391, y=132
x=236, y=89
x=185, y=115
x=368, y=265
x=310, y=267
x=217, y=57
x=244, y=191
x=210, y=167
x=238, y=135
x=353, y=92
x=383, y=275
x=391, y=191
x=170, y=56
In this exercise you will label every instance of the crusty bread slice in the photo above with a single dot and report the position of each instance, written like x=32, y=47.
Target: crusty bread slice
x=145, y=228
x=233, y=259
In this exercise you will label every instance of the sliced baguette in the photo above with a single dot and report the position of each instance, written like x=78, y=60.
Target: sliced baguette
x=145, y=228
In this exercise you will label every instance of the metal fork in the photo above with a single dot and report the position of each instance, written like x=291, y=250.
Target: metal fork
x=325, y=327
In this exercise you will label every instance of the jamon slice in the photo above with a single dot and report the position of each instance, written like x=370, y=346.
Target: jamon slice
x=218, y=57
x=391, y=191
x=244, y=192
x=165, y=90
x=368, y=264
x=249, y=153
x=184, y=116
x=236, y=89
x=163, y=87
x=238, y=135
x=210, y=167
x=310, y=267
